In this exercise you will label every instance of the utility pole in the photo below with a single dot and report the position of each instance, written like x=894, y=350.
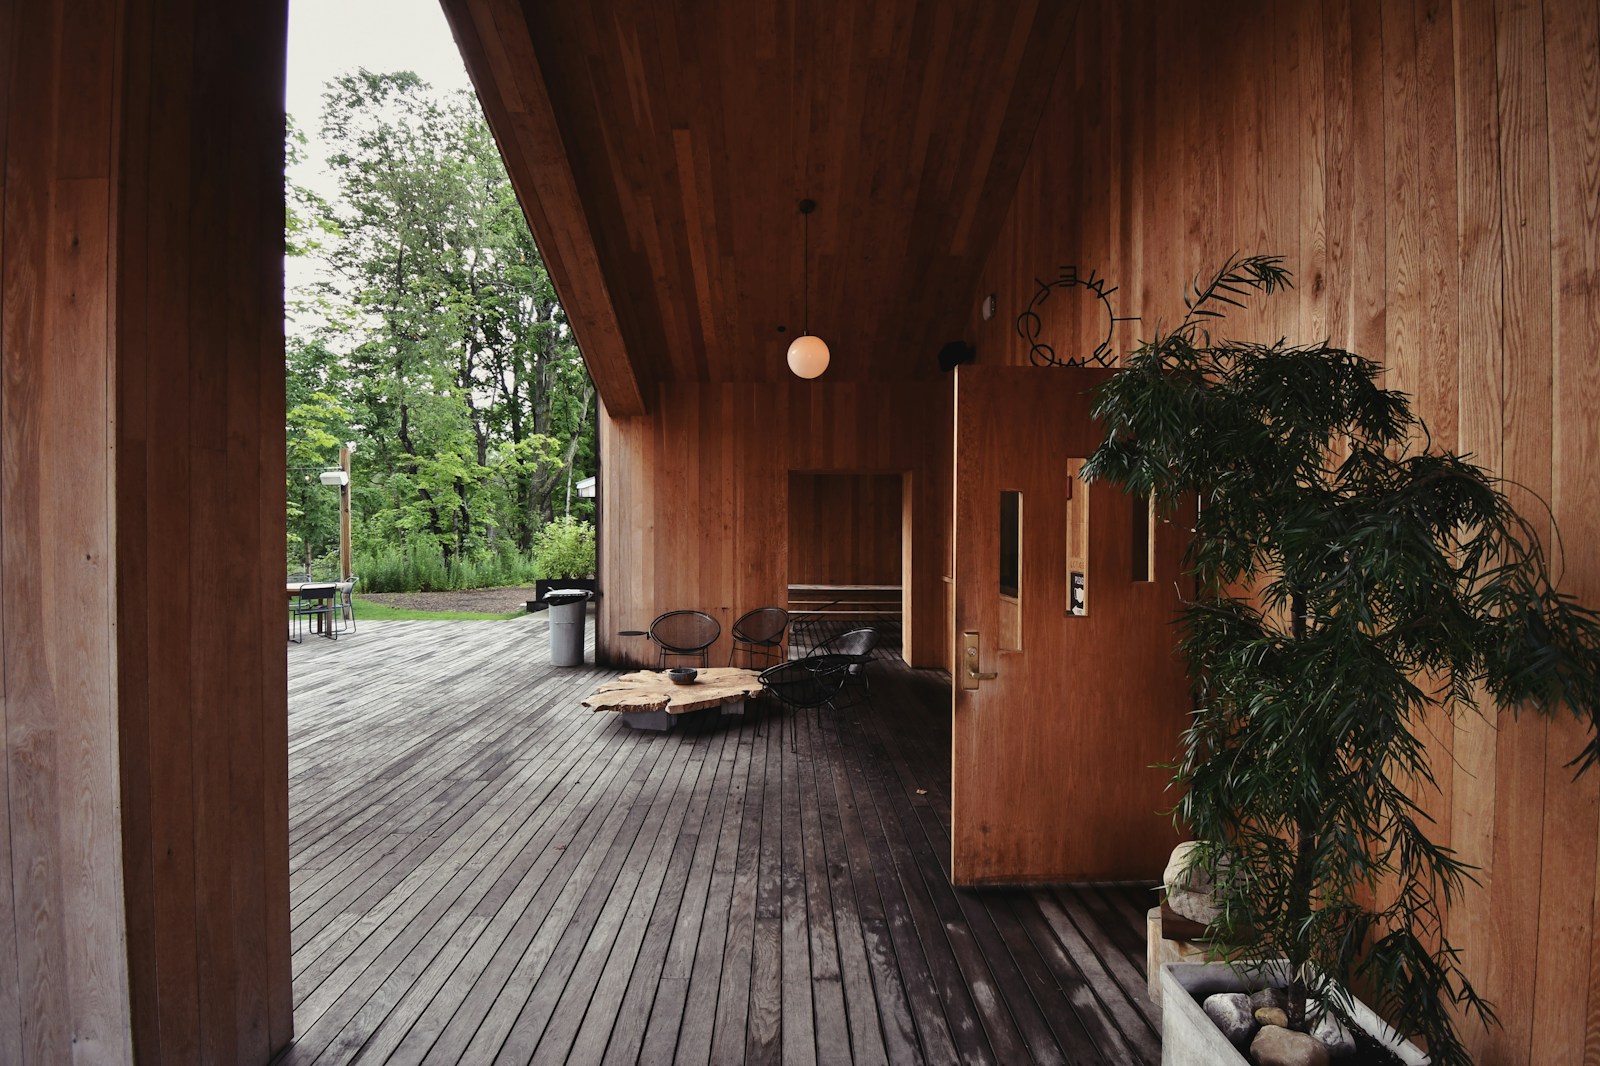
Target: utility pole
x=344, y=515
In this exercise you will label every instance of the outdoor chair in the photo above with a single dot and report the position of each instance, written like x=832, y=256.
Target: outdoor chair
x=346, y=605
x=798, y=684
x=685, y=635
x=848, y=654
x=759, y=634
x=319, y=602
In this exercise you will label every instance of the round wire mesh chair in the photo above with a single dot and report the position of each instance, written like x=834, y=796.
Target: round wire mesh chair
x=759, y=634
x=798, y=684
x=684, y=634
x=848, y=655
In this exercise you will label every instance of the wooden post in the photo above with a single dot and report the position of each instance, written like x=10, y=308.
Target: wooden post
x=344, y=516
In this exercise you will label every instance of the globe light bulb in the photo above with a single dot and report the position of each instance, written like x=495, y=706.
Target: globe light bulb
x=808, y=356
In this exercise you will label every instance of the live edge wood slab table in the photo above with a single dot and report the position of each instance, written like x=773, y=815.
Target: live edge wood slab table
x=648, y=699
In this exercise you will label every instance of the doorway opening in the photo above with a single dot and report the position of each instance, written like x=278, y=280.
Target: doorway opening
x=849, y=556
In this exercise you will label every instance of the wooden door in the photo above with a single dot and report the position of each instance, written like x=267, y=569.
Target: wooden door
x=1054, y=776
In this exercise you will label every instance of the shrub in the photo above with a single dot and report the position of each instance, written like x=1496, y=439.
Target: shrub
x=564, y=549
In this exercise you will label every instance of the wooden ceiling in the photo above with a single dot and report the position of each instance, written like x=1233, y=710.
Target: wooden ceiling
x=661, y=151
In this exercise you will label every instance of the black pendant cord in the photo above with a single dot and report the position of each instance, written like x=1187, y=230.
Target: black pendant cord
x=806, y=207
x=805, y=273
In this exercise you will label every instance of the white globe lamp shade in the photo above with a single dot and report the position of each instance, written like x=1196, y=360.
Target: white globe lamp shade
x=808, y=356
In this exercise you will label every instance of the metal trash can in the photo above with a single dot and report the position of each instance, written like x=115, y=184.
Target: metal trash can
x=567, y=610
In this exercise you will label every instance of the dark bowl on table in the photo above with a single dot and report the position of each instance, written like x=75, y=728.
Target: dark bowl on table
x=682, y=675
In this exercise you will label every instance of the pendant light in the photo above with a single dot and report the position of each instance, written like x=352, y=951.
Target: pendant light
x=808, y=355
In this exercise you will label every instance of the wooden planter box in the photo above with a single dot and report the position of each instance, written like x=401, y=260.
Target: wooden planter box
x=1190, y=1038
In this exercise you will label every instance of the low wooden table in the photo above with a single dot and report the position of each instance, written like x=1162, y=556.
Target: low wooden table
x=648, y=699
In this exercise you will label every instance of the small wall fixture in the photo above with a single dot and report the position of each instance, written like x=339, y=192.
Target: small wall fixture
x=334, y=477
x=808, y=355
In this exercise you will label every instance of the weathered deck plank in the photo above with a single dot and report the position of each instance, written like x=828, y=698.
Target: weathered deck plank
x=484, y=871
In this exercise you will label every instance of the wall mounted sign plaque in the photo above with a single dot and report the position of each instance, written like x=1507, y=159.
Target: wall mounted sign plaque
x=1097, y=293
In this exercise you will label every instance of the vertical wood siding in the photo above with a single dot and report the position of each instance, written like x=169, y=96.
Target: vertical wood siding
x=143, y=784
x=199, y=372
x=696, y=507
x=63, y=979
x=844, y=529
x=1432, y=173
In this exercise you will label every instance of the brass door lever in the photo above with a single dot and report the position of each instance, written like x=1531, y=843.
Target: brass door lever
x=970, y=674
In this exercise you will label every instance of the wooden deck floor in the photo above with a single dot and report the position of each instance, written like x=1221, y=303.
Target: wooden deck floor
x=483, y=871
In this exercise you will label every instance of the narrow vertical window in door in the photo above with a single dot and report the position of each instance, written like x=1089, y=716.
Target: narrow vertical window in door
x=1077, y=540
x=1010, y=636
x=1144, y=537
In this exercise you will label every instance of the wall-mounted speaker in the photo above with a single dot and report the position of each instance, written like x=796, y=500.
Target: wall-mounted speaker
x=955, y=353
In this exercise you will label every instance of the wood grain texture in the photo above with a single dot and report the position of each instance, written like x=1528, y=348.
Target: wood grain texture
x=678, y=142
x=495, y=45
x=1433, y=166
x=697, y=513
x=653, y=690
x=64, y=995
x=844, y=529
x=1080, y=717
x=199, y=446
x=486, y=871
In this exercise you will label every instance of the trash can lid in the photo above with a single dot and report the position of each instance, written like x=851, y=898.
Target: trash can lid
x=558, y=596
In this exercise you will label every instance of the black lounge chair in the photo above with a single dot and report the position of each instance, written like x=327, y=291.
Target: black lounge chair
x=759, y=634
x=684, y=634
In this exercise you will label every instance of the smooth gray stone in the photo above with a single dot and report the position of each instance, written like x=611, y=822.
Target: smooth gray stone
x=1230, y=1012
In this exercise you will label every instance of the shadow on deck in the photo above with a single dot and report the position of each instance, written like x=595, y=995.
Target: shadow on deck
x=484, y=871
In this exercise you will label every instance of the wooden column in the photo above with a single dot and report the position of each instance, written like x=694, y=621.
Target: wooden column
x=200, y=521
x=344, y=516
x=63, y=971
x=143, y=784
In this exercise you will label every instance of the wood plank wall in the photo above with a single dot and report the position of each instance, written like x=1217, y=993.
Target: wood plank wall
x=63, y=977
x=844, y=529
x=696, y=509
x=143, y=790
x=1431, y=173
x=200, y=470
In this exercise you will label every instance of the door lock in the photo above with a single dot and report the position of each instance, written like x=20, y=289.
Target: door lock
x=968, y=669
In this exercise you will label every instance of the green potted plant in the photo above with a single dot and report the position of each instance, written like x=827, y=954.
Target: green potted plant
x=564, y=556
x=1349, y=579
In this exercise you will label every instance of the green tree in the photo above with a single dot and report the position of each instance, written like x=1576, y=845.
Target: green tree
x=317, y=425
x=465, y=384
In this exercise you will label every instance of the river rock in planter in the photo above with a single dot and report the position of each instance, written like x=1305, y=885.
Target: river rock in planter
x=1189, y=891
x=1333, y=1035
x=1270, y=997
x=1272, y=1016
x=1277, y=1046
x=1230, y=1013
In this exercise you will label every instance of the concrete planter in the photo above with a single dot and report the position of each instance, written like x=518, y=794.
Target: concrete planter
x=1189, y=1038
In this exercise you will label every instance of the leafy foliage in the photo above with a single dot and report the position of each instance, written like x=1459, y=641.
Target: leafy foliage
x=1349, y=578
x=565, y=548
x=441, y=349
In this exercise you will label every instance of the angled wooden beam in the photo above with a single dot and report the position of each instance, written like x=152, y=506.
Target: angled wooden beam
x=499, y=55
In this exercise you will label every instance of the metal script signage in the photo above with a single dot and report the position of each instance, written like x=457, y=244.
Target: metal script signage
x=1030, y=324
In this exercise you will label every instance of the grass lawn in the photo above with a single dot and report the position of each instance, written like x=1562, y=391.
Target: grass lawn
x=366, y=610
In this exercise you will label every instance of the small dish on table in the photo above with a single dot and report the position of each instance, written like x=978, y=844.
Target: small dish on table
x=682, y=675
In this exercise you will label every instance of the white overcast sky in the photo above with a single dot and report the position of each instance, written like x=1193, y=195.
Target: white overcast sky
x=330, y=37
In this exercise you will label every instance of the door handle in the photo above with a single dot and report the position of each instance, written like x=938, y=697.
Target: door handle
x=969, y=672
